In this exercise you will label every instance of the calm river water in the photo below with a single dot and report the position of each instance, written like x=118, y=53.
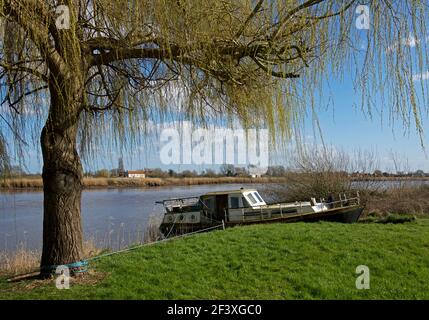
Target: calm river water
x=111, y=217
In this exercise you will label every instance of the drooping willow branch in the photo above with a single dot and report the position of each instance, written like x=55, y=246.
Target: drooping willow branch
x=230, y=55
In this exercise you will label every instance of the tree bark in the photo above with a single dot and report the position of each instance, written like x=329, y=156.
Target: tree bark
x=62, y=180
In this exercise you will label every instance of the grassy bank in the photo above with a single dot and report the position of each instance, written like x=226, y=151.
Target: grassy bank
x=36, y=183
x=280, y=261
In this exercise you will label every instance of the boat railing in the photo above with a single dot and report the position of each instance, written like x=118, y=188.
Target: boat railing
x=182, y=202
x=179, y=201
x=343, y=202
x=264, y=214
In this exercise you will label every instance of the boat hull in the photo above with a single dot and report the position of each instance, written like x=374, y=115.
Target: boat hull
x=343, y=215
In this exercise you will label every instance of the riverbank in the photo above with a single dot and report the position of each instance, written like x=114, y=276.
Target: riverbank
x=92, y=183
x=36, y=183
x=277, y=261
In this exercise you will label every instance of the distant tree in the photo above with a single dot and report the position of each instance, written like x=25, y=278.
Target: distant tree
x=276, y=171
x=103, y=173
x=241, y=171
x=156, y=173
x=15, y=171
x=419, y=173
x=188, y=173
x=377, y=173
x=171, y=173
x=227, y=170
x=209, y=173
x=114, y=173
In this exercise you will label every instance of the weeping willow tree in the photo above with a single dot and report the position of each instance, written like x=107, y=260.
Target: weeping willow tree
x=82, y=73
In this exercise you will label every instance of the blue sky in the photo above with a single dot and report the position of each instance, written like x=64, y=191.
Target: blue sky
x=346, y=127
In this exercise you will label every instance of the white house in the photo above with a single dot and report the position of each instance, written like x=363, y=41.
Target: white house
x=135, y=174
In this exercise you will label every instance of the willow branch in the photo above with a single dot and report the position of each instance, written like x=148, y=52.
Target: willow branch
x=25, y=69
x=249, y=18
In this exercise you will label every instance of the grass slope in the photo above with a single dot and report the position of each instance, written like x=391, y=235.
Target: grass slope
x=278, y=261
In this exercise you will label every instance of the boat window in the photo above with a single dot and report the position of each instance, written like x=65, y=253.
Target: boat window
x=245, y=202
x=252, y=198
x=258, y=196
x=209, y=202
x=235, y=202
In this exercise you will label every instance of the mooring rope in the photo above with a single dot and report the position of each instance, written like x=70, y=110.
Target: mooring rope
x=81, y=266
x=75, y=267
x=174, y=222
x=154, y=242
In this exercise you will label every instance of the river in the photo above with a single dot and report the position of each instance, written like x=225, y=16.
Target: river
x=111, y=218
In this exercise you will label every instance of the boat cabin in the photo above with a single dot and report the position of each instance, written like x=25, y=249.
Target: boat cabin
x=218, y=204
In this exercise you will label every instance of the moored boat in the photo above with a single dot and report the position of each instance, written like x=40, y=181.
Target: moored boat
x=246, y=206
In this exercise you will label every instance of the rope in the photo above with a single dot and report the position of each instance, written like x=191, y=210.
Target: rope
x=153, y=243
x=75, y=267
x=81, y=266
x=212, y=220
x=172, y=227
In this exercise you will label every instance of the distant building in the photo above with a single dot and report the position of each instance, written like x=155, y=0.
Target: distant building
x=136, y=174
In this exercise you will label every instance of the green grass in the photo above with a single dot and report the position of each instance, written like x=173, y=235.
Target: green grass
x=278, y=261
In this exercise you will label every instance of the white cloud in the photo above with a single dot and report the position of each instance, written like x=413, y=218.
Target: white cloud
x=421, y=76
x=410, y=41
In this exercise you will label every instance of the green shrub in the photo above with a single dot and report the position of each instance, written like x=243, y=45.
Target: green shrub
x=399, y=218
x=369, y=219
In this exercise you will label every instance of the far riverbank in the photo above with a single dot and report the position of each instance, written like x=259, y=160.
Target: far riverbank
x=36, y=183
x=100, y=183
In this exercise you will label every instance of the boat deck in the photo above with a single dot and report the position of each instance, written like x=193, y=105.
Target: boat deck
x=309, y=216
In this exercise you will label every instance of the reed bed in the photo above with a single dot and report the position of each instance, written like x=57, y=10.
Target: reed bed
x=400, y=200
x=24, y=260
x=20, y=261
x=36, y=183
x=21, y=183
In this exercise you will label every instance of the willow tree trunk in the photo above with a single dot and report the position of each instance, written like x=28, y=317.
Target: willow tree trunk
x=62, y=179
